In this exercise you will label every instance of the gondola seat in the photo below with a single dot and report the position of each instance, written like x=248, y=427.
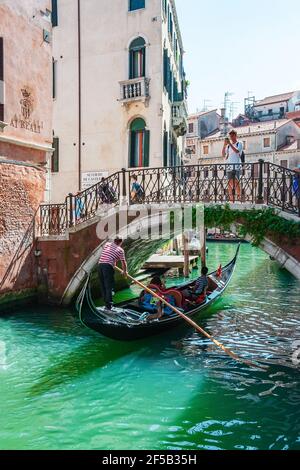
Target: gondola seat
x=173, y=296
x=201, y=299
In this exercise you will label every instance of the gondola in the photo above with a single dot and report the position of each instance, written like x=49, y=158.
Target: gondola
x=126, y=323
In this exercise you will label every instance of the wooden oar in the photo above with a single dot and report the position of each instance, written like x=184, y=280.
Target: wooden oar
x=192, y=323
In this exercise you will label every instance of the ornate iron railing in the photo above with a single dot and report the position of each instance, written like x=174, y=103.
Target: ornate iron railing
x=282, y=188
x=255, y=183
x=53, y=219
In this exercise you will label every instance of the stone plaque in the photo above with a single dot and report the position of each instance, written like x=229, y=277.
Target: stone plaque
x=92, y=177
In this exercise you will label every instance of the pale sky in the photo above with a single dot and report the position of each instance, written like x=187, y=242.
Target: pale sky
x=240, y=46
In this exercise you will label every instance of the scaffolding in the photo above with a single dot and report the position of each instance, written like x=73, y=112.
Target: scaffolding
x=250, y=107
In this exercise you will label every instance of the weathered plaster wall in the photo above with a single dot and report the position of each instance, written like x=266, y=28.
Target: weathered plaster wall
x=27, y=66
x=21, y=192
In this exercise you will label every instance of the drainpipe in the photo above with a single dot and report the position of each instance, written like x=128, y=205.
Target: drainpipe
x=79, y=95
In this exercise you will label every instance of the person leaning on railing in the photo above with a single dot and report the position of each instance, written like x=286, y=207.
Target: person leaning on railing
x=107, y=192
x=137, y=191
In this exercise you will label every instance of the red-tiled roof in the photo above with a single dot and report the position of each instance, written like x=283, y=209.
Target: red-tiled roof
x=253, y=128
x=202, y=113
x=293, y=115
x=275, y=99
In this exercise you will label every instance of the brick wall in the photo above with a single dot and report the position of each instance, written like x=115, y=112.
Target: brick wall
x=21, y=191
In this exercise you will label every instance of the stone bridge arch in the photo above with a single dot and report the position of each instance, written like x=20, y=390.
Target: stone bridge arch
x=65, y=260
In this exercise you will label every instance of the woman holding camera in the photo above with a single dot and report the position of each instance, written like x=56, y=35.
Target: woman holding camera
x=232, y=151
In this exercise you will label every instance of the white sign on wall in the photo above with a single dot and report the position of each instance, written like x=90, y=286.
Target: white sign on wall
x=92, y=177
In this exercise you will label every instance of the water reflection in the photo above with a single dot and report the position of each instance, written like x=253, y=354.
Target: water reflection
x=65, y=387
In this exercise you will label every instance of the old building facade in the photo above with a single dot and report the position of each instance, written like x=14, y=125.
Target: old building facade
x=200, y=126
x=273, y=141
x=25, y=137
x=272, y=107
x=119, y=89
x=25, y=93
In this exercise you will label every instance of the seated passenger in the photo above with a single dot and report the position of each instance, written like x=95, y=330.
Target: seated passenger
x=157, y=282
x=155, y=309
x=150, y=303
x=161, y=308
x=199, y=290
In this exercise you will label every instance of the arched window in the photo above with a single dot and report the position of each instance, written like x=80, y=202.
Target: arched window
x=137, y=58
x=139, y=144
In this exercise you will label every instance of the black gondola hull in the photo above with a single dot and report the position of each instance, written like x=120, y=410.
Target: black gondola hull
x=119, y=329
x=145, y=330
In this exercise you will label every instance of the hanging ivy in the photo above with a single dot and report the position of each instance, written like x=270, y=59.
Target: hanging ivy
x=256, y=223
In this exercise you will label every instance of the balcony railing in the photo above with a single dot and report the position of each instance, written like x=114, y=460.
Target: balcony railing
x=179, y=117
x=136, y=89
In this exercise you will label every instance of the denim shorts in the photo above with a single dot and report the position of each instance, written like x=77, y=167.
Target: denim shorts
x=234, y=172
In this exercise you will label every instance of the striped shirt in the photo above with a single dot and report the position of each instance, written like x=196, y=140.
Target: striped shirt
x=111, y=254
x=201, y=285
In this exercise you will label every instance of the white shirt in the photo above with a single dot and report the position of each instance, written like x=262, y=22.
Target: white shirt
x=234, y=157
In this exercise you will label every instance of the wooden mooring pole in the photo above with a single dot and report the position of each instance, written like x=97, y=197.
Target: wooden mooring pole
x=186, y=253
x=203, y=245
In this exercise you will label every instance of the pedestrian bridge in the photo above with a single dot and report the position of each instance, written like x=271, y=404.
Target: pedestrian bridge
x=71, y=235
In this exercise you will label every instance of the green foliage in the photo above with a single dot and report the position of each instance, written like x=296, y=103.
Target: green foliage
x=253, y=222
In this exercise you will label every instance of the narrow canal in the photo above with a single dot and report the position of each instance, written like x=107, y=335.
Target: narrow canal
x=64, y=387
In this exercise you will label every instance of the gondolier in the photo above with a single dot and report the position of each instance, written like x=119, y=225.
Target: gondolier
x=112, y=253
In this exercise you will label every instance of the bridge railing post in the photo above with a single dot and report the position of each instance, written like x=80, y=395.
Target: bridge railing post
x=158, y=186
x=283, y=189
x=70, y=210
x=123, y=192
x=268, y=183
x=174, y=183
x=215, y=176
x=260, y=195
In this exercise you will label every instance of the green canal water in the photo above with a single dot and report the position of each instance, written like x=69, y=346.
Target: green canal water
x=64, y=387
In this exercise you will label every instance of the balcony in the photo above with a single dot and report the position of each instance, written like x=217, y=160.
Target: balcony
x=133, y=90
x=179, y=118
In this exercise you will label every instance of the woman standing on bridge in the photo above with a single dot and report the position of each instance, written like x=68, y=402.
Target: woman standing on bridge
x=111, y=254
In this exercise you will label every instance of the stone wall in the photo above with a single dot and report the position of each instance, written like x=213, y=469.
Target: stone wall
x=22, y=189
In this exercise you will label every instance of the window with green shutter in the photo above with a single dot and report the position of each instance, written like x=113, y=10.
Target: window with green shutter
x=136, y=4
x=137, y=58
x=54, y=74
x=55, y=156
x=54, y=14
x=139, y=144
x=165, y=148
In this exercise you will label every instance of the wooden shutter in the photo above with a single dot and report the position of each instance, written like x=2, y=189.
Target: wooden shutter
x=132, y=139
x=165, y=148
x=147, y=148
x=54, y=14
x=165, y=68
x=55, y=156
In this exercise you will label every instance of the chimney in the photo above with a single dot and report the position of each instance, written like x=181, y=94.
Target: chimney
x=223, y=122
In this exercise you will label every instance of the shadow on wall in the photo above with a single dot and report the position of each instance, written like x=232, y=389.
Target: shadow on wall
x=20, y=274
